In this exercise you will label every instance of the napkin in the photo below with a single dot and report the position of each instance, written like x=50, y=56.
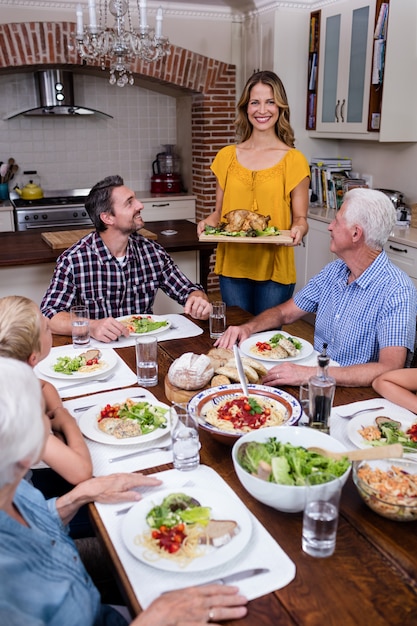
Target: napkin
x=180, y=327
x=101, y=453
x=339, y=425
x=122, y=377
x=261, y=551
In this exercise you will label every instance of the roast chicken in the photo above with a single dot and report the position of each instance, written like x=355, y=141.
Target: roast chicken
x=245, y=220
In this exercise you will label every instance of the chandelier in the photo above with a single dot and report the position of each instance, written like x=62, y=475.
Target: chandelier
x=121, y=44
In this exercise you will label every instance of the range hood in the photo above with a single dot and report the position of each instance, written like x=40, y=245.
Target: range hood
x=55, y=96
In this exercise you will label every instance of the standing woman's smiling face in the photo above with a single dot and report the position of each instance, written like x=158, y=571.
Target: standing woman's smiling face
x=262, y=109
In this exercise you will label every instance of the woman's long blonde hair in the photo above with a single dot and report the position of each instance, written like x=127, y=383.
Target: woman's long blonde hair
x=283, y=127
x=20, y=327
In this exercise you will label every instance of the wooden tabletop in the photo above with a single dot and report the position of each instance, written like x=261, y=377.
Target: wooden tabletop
x=371, y=579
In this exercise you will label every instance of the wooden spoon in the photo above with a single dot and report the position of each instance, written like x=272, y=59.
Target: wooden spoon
x=394, y=450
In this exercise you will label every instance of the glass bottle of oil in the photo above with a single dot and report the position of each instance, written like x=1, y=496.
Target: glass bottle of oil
x=321, y=394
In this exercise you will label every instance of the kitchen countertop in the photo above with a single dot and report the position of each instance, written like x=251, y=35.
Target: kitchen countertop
x=404, y=235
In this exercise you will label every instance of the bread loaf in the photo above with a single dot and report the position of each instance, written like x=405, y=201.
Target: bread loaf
x=191, y=371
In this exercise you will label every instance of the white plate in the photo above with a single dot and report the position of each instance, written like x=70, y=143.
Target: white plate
x=46, y=367
x=222, y=507
x=155, y=318
x=246, y=345
x=368, y=419
x=89, y=428
x=201, y=402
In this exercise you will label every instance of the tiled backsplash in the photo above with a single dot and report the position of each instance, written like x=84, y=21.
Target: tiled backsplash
x=76, y=152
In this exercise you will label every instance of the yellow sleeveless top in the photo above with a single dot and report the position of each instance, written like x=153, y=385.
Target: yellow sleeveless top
x=268, y=193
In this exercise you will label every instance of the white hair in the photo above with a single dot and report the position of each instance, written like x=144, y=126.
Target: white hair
x=373, y=211
x=22, y=428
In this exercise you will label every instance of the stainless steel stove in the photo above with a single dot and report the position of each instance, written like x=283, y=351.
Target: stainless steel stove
x=61, y=208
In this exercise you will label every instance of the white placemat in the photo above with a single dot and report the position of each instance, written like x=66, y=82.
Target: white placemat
x=101, y=453
x=339, y=425
x=180, y=327
x=122, y=376
x=262, y=551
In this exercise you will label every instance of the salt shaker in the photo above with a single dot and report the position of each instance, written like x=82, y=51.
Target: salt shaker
x=321, y=394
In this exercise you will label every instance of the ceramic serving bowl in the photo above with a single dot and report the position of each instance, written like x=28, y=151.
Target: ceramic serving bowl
x=388, y=487
x=209, y=398
x=287, y=498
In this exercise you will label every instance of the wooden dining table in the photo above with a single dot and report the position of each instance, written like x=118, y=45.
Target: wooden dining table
x=370, y=580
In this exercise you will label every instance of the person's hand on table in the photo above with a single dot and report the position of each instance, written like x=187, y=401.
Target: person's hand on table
x=197, y=305
x=194, y=606
x=232, y=335
x=288, y=374
x=107, y=329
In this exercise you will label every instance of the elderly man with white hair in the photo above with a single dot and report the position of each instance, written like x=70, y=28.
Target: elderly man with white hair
x=43, y=581
x=365, y=305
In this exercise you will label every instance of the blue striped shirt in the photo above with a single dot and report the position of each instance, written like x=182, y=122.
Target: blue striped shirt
x=87, y=273
x=377, y=310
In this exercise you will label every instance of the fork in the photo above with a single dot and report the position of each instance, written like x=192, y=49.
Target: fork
x=347, y=417
x=85, y=382
x=167, y=446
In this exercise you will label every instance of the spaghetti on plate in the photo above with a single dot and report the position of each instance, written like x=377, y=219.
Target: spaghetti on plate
x=245, y=414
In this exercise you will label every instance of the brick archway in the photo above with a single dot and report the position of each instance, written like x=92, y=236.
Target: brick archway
x=211, y=84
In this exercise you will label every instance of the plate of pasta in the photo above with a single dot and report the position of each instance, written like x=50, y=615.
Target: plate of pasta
x=227, y=414
x=67, y=363
x=192, y=530
x=276, y=346
x=145, y=324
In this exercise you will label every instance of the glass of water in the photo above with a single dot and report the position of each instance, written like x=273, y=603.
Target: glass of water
x=304, y=397
x=185, y=441
x=147, y=361
x=321, y=514
x=217, y=319
x=80, y=326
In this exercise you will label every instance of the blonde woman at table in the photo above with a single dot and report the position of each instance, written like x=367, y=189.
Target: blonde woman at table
x=44, y=582
x=265, y=174
x=399, y=386
x=25, y=335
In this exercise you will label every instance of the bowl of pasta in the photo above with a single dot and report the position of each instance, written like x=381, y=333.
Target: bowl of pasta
x=388, y=487
x=272, y=464
x=227, y=414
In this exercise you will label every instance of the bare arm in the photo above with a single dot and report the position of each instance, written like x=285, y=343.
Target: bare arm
x=399, y=386
x=299, y=207
x=106, y=329
x=275, y=317
x=361, y=375
x=105, y=489
x=194, y=606
x=214, y=218
x=65, y=451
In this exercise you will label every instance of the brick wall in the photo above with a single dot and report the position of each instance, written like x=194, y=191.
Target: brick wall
x=211, y=83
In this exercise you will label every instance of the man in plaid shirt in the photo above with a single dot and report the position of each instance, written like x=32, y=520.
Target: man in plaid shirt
x=115, y=271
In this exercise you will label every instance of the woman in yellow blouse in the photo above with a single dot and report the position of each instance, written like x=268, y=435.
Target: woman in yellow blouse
x=266, y=174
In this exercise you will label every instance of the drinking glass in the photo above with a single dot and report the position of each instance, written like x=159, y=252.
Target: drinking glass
x=185, y=441
x=217, y=319
x=80, y=326
x=321, y=514
x=304, y=398
x=147, y=361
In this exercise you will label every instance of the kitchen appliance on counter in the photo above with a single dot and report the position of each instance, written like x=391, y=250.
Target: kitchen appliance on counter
x=61, y=208
x=166, y=177
x=397, y=199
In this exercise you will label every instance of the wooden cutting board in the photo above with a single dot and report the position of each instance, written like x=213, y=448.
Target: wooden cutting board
x=282, y=238
x=63, y=239
x=175, y=394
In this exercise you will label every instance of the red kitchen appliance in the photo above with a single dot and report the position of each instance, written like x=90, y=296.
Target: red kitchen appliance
x=166, y=177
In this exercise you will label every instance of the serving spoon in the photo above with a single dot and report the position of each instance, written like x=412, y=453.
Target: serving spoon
x=394, y=450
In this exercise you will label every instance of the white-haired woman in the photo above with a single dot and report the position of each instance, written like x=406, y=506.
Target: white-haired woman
x=44, y=582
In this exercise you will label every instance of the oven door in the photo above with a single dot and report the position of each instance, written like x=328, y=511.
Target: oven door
x=62, y=217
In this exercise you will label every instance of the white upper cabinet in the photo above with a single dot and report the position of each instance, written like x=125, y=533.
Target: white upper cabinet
x=345, y=67
x=351, y=104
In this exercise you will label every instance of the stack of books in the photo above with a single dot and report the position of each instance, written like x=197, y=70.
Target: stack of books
x=328, y=178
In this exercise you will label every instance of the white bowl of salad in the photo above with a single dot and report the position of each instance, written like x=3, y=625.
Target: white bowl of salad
x=272, y=464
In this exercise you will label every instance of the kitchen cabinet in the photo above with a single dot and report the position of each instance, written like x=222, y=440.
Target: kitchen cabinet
x=6, y=219
x=166, y=208
x=309, y=260
x=348, y=105
x=403, y=255
x=344, y=75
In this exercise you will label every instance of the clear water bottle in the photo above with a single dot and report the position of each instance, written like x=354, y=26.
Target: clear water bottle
x=321, y=394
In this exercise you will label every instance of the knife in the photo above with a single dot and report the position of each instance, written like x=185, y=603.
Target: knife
x=241, y=373
x=237, y=576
